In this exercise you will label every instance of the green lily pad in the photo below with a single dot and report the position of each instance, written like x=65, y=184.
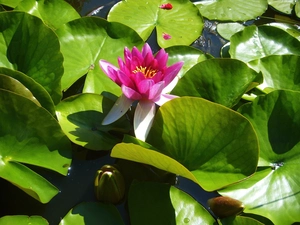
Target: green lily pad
x=23, y=220
x=217, y=144
x=10, y=3
x=31, y=47
x=297, y=9
x=29, y=134
x=289, y=28
x=183, y=22
x=160, y=204
x=54, y=13
x=285, y=6
x=240, y=220
x=226, y=30
x=222, y=81
x=257, y=42
x=87, y=40
x=189, y=55
x=275, y=186
x=280, y=72
x=39, y=93
x=92, y=213
x=233, y=10
x=80, y=117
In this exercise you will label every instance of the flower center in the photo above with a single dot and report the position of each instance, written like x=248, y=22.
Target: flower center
x=147, y=71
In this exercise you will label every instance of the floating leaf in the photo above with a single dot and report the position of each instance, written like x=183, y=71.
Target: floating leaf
x=31, y=47
x=219, y=80
x=41, y=95
x=275, y=186
x=23, y=220
x=240, y=220
x=80, y=117
x=285, y=6
x=183, y=23
x=87, y=40
x=217, y=144
x=257, y=42
x=54, y=13
x=226, y=30
x=10, y=3
x=234, y=10
x=29, y=134
x=161, y=204
x=92, y=213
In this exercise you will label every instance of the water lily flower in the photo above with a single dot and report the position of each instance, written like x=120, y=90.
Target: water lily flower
x=145, y=78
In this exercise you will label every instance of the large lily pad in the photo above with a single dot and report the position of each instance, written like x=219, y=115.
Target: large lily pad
x=54, y=13
x=29, y=134
x=183, y=22
x=31, y=47
x=39, y=93
x=81, y=116
x=234, y=10
x=219, y=80
x=160, y=204
x=257, y=42
x=217, y=144
x=92, y=213
x=275, y=186
x=10, y=3
x=283, y=6
x=87, y=40
x=23, y=220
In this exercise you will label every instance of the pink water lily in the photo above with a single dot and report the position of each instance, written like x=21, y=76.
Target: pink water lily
x=145, y=78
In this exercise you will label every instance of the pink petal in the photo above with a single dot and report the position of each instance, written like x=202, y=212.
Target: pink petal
x=130, y=93
x=166, y=6
x=146, y=50
x=144, y=87
x=124, y=79
x=137, y=56
x=105, y=65
x=163, y=98
x=143, y=119
x=172, y=71
x=162, y=58
x=156, y=90
x=118, y=110
x=166, y=36
x=171, y=85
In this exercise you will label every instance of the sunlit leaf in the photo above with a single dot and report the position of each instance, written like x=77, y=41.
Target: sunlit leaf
x=257, y=42
x=226, y=30
x=31, y=47
x=87, y=40
x=10, y=3
x=54, y=13
x=92, y=213
x=80, y=117
x=29, y=134
x=160, y=204
x=183, y=22
x=222, y=81
x=285, y=6
x=275, y=185
x=217, y=144
x=23, y=220
x=234, y=10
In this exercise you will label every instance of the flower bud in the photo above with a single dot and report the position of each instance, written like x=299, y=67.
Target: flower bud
x=109, y=185
x=223, y=206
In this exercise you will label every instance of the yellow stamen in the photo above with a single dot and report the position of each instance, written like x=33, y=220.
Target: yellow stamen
x=147, y=71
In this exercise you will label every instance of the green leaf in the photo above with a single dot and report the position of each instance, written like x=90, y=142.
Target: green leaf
x=31, y=47
x=297, y=9
x=29, y=134
x=275, y=185
x=234, y=10
x=240, y=220
x=183, y=22
x=189, y=55
x=23, y=220
x=54, y=13
x=10, y=3
x=87, y=40
x=137, y=153
x=280, y=72
x=257, y=42
x=222, y=81
x=92, y=213
x=161, y=204
x=289, y=28
x=217, y=144
x=226, y=30
x=81, y=116
x=285, y=6
x=41, y=95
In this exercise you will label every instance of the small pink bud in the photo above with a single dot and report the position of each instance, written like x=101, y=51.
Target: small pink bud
x=166, y=36
x=166, y=6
